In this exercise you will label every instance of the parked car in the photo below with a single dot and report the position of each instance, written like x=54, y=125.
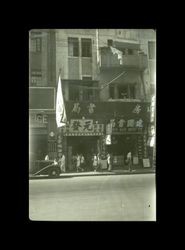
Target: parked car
x=49, y=168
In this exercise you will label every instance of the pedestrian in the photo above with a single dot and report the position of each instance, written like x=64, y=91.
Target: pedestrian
x=99, y=161
x=74, y=162
x=62, y=163
x=95, y=163
x=109, y=162
x=129, y=160
x=82, y=162
x=78, y=163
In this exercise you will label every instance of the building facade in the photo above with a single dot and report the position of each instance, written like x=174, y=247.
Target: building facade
x=108, y=81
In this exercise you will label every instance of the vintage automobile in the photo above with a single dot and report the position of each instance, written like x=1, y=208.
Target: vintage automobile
x=43, y=167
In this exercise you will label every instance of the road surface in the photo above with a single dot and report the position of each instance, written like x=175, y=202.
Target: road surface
x=93, y=198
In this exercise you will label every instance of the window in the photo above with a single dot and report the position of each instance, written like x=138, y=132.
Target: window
x=111, y=92
x=36, y=78
x=110, y=42
x=86, y=47
x=151, y=50
x=73, y=93
x=81, y=92
x=36, y=44
x=123, y=92
x=130, y=52
x=73, y=46
x=132, y=91
x=126, y=91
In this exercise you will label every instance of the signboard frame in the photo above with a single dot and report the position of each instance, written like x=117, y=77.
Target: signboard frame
x=54, y=98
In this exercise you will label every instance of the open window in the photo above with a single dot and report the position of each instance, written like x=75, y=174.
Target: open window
x=73, y=46
x=86, y=47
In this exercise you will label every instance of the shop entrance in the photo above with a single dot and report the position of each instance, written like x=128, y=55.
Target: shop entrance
x=86, y=145
x=121, y=145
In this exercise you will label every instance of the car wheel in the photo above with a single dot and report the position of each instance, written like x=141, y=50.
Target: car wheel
x=54, y=172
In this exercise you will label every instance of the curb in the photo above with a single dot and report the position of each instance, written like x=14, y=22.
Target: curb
x=70, y=175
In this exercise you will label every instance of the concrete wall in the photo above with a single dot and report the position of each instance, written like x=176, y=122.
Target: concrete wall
x=75, y=67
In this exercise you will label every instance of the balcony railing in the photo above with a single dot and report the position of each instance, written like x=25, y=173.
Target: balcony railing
x=110, y=60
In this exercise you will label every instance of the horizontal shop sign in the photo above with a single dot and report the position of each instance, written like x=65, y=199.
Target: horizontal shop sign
x=82, y=134
x=108, y=110
x=38, y=120
x=84, y=126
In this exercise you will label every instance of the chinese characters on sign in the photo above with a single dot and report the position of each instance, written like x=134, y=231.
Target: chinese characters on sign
x=140, y=148
x=83, y=127
x=91, y=108
x=137, y=109
x=130, y=125
x=76, y=108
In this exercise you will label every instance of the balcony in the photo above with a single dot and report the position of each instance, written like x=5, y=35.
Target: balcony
x=110, y=60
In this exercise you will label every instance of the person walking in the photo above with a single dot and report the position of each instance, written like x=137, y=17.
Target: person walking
x=82, y=162
x=62, y=163
x=129, y=160
x=78, y=163
x=95, y=162
x=98, y=161
x=109, y=162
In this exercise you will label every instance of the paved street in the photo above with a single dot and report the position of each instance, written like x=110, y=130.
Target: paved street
x=93, y=198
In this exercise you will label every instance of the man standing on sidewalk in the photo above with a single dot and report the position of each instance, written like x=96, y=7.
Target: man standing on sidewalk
x=129, y=160
x=62, y=163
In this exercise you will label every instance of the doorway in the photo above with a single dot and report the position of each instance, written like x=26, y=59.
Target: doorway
x=85, y=145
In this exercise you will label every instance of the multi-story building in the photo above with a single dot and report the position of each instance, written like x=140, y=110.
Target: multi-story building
x=108, y=80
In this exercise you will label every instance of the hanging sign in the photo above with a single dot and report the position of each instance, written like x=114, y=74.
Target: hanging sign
x=83, y=127
x=146, y=163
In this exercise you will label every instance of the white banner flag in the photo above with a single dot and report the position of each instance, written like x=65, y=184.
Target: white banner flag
x=60, y=107
x=119, y=53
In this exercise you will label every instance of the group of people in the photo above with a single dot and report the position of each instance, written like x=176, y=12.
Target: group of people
x=61, y=162
x=79, y=160
x=80, y=163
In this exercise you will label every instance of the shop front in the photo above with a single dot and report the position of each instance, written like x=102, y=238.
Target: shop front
x=82, y=136
x=88, y=130
x=42, y=138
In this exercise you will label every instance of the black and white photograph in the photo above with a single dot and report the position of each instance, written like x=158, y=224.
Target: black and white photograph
x=92, y=124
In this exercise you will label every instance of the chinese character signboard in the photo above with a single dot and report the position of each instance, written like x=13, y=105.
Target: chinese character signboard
x=80, y=127
x=140, y=147
x=99, y=110
x=121, y=126
x=117, y=117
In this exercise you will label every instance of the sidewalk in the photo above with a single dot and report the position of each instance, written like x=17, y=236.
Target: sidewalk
x=100, y=173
